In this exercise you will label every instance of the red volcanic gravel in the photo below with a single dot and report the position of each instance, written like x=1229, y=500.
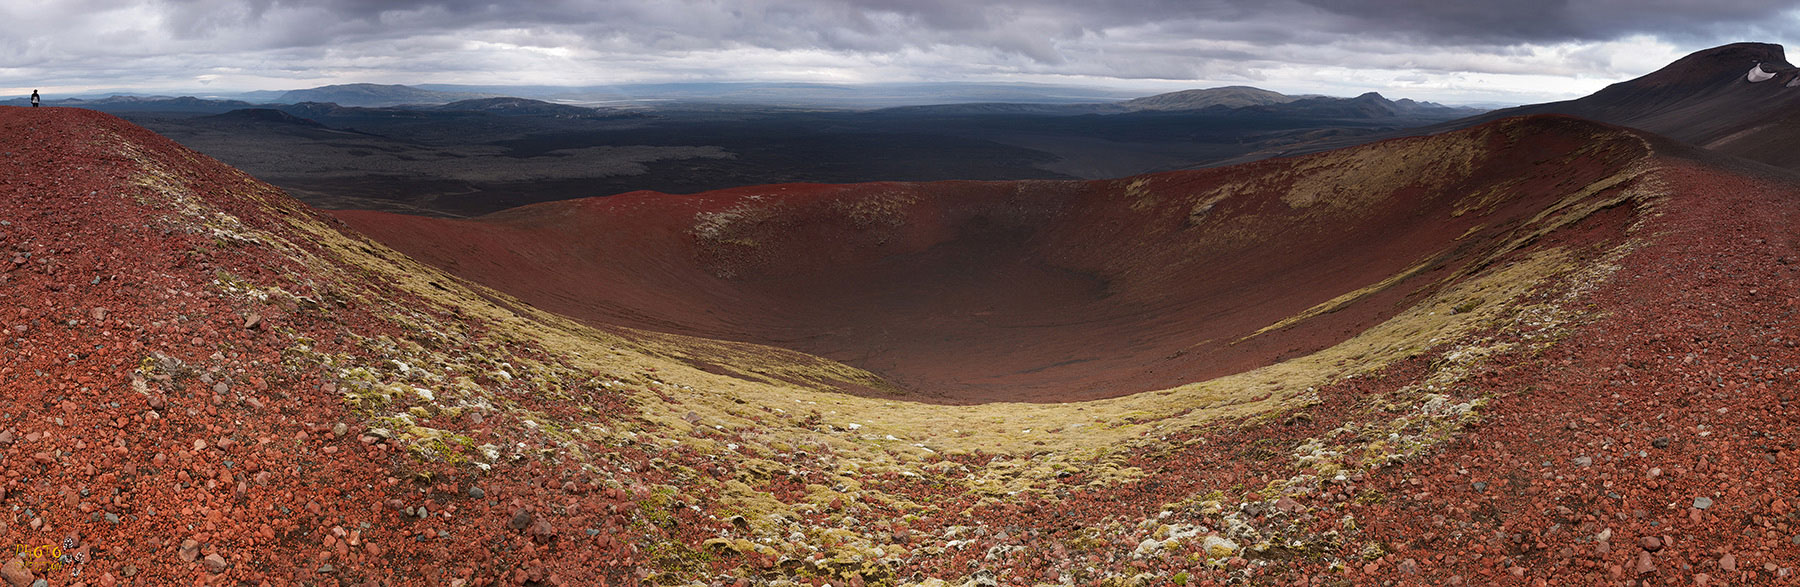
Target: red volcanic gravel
x=152, y=432
x=158, y=429
x=1658, y=443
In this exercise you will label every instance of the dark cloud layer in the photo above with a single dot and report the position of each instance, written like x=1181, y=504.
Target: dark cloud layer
x=1524, y=21
x=1448, y=47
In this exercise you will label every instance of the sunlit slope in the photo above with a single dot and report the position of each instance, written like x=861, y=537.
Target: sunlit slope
x=1055, y=291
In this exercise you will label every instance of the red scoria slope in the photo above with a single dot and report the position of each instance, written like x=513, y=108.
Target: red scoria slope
x=1042, y=291
x=172, y=336
x=179, y=343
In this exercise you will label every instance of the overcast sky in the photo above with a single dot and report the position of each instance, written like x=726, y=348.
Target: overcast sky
x=1455, y=51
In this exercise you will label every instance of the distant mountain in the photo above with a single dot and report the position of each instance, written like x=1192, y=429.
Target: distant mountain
x=1229, y=97
x=262, y=96
x=1742, y=99
x=1230, y=102
x=529, y=107
x=1367, y=106
x=1409, y=107
x=801, y=95
x=117, y=104
x=1002, y=108
x=375, y=95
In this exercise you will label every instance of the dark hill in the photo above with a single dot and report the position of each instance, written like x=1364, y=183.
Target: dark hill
x=374, y=95
x=528, y=107
x=263, y=115
x=1229, y=97
x=1706, y=99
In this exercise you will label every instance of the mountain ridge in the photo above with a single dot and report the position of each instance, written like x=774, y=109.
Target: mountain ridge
x=1705, y=98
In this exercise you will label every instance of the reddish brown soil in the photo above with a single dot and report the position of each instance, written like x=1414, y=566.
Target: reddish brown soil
x=1027, y=291
x=1686, y=386
x=1681, y=384
x=232, y=446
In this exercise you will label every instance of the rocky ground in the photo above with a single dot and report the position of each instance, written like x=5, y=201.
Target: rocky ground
x=208, y=383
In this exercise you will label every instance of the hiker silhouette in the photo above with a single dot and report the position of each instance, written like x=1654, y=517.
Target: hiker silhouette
x=34, y=99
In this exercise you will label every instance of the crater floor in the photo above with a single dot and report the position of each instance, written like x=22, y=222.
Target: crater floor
x=969, y=292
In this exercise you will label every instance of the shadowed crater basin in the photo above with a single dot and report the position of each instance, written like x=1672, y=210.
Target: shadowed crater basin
x=1046, y=291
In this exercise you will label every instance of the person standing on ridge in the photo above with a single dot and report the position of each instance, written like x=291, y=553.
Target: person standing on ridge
x=34, y=99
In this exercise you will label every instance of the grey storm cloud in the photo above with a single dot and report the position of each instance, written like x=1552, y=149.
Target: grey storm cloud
x=94, y=43
x=887, y=25
x=1516, y=21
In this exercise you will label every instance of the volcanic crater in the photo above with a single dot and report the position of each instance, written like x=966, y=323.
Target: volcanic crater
x=1054, y=291
x=1537, y=351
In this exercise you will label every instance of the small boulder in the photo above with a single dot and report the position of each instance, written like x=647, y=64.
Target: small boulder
x=1646, y=564
x=542, y=531
x=15, y=573
x=1218, y=546
x=521, y=520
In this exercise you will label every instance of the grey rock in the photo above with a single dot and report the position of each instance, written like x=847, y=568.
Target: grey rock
x=1702, y=502
x=1660, y=442
x=477, y=492
x=520, y=520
